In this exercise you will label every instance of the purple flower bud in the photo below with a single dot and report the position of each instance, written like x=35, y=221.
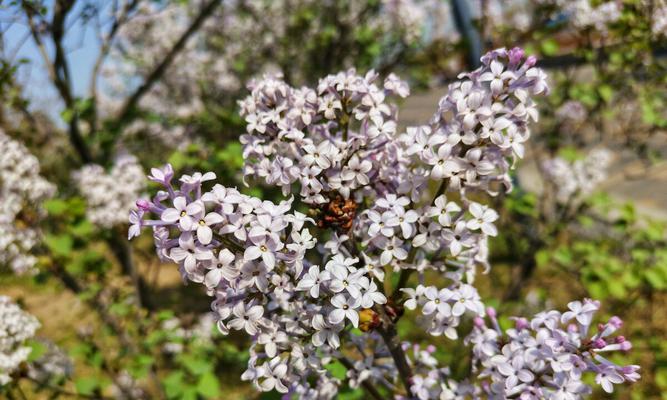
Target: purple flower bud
x=515, y=56
x=620, y=339
x=521, y=323
x=625, y=346
x=491, y=312
x=599, y=343
x=479, y=322
x=530, y=61
x=431, y=348
x=143, y=205
x=616, y=322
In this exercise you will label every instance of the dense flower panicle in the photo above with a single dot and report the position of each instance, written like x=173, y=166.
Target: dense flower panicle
x=16, y=327
x=106, y=198
x=53, y=363
x=546, y=357
x=22, y=191
x=298, y=283
x=579, y=178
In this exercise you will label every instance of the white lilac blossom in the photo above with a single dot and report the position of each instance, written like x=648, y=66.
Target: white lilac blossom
x=16, y=327
x=659, y=22
x=591, y=14
x=22, y=191
x=515, y=14
x=337, y=151
x=572, y=111
x=54, y=363
x=577, y=179
x=199, y=333
x=106, y=197
x=548, y=356
x=125, y=387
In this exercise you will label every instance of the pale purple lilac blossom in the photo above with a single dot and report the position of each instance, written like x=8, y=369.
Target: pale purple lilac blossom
x=334, y=146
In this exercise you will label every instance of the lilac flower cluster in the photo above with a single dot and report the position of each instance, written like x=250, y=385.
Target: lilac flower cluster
x=298, y=284
x=659, y=25
x=587, y=14
x=53, y=363
x=442, y=309
x=250, y=254
x=546, y=357
x=105, y=198
x=579, y=178
x=16, y=327
x=22, y=190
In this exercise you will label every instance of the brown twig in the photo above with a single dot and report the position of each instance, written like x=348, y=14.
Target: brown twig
x=387, y=331
x=107, y=41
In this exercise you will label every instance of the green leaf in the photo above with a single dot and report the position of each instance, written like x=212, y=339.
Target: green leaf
x=55, y=206
x=189, y=393
x=616, y=288
x=60, y=245
x=208, y=385
x=195, y=365
x=173, y=384
x=37, y=350
x=337, y=369
x=606, y=92
x=86, y=386
x=549, y=47
x=542, y=257
x=83, y=229
x=655, y=279
x=356, y=394
x=120, y=309
x=67, y=115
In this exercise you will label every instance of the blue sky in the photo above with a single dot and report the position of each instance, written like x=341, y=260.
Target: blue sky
x=81, y=45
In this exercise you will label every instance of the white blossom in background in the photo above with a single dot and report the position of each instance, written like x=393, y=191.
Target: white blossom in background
x=109, y=193
x=206, y=70
x=588, y=13
x=201, y=332
x=336, y=151
x=125, y=387
x=514, y=14
x=16, y=327
x=53, y=363
x=572, y=111
x=659, y=22
x=22, y=190
x=410, y=15
x=579, y=178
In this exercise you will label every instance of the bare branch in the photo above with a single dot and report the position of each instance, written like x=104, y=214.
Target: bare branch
x=58, y=69
x=161, y=67
x=107, y=41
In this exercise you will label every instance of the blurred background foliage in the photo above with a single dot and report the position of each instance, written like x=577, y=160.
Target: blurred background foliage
x=162, y=84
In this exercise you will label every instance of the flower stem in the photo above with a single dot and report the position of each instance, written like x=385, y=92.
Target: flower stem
x=390, y=337
x=368, y=386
